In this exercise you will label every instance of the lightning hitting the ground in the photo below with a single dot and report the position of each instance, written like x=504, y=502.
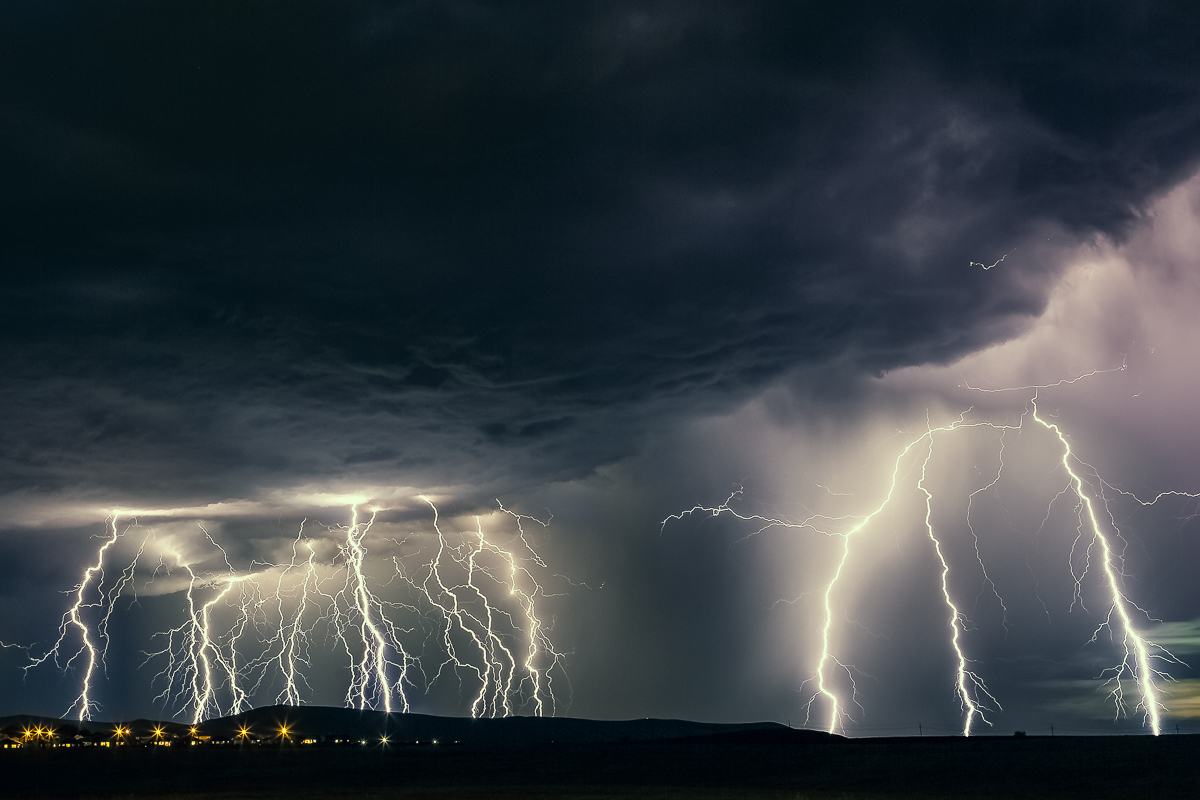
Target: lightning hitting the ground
x=994, y=264
x=287, y=649
x=382, y=648
x=244, y=631
x=73, y=618
x=969, y=685
x=471, y=618
x=1138, y=654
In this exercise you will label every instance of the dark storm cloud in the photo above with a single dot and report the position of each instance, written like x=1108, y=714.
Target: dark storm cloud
x=254, y=243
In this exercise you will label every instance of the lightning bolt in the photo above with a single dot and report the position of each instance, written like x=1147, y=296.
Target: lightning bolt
x=1138, y=651
x=244, y=630
x=126, y=579
x=1139, y=654
x=447, y=601
x=539, y=646
x=467, y=609
x=969, y=687
x=370, y=684
x=73, y=618
x=292, y=637
x=967, y=682
x=989, y=266
x=198, y=663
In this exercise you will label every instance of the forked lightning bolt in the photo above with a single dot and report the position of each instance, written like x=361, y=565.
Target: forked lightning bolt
x=471, y=617
x=1138, y=651
x=1139, y=654
x=73, y=619
x=199, y=664
x=371, y=685
x=243, y=631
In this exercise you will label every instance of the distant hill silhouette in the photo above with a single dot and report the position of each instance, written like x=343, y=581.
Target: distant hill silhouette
x=346, y=723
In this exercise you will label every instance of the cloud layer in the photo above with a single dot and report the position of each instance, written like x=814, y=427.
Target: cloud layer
x=443, y=243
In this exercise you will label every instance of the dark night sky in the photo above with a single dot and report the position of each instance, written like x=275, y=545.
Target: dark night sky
x=609, y=260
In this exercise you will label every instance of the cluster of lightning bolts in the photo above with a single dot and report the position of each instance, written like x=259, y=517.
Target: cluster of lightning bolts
x=474, y=605
x=1141, y=664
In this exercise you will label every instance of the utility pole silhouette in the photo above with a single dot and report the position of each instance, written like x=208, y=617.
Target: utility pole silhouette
x=920, y=730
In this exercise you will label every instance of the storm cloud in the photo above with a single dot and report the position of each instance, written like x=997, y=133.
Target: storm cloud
x=248, y=244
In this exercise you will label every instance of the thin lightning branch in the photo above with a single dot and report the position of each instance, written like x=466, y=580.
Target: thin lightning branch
x=472, y=616
x=1156, y=498
x=114, y=594
x=1034, y=387
x=989, y=266
x=764, y=523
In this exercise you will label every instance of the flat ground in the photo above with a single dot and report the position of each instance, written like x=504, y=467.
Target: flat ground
x=982, y=767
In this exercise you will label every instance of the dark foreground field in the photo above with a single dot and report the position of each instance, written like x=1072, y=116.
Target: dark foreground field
x=749, y=766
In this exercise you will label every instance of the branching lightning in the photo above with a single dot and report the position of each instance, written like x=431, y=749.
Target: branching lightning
x=471, y=618
x=90, y=651
x=244, y=631
x=994, y=264
x=1139, y=654
x=382, y=649
x=967, y=682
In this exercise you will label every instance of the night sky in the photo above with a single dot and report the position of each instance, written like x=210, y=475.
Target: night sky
x=267, y=261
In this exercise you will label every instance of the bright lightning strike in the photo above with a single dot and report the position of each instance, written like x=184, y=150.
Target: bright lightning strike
x=997, y=263
x=1138, y=651
x=967, y=682
x=73, y=619
x=969, y=685
x=472, y=620
x=382, y=649
x=246, y=632
x=1139, y=654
